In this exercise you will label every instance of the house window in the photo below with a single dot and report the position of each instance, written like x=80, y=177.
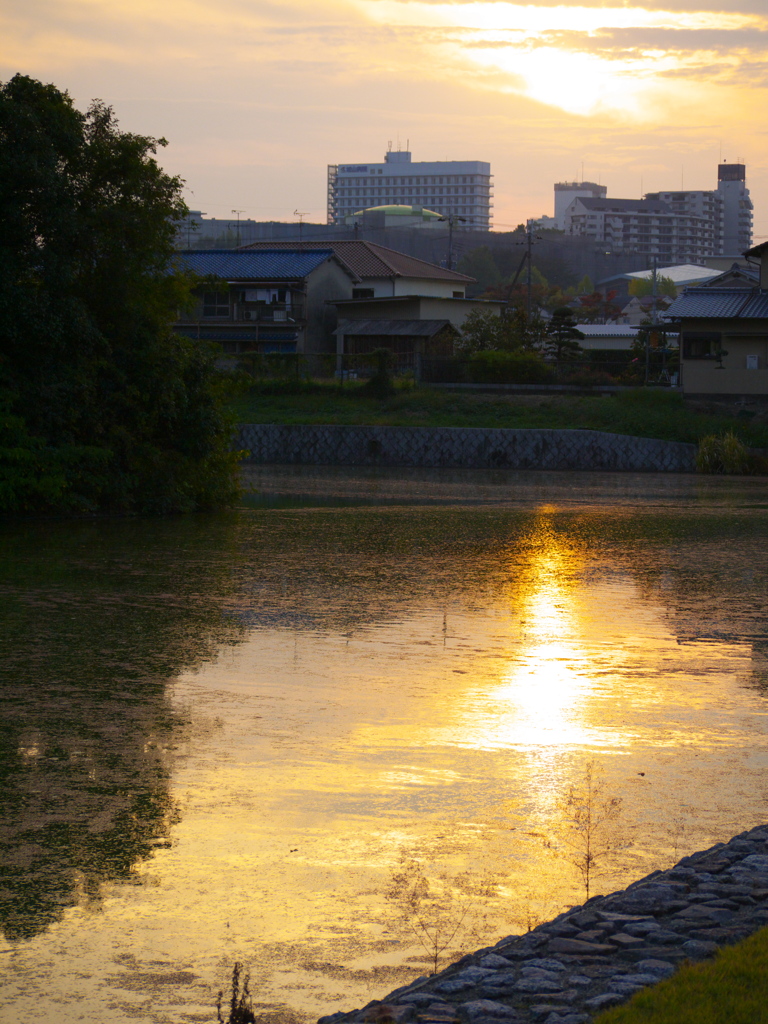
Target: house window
x=216, y=304
x=701, y=344
x=362, y=293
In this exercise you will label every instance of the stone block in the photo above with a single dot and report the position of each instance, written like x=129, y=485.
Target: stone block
x=578, y=947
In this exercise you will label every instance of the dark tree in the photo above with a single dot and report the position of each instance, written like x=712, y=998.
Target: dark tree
x=104, y=407
x=596, y=308
x=563, y=335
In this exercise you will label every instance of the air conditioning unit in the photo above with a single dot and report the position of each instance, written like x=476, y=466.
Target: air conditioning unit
x=250, y=314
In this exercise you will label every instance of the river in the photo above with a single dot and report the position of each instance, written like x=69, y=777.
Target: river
x=223, y=736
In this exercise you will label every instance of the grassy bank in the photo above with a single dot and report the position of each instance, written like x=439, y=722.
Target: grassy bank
x=731, y=989
x=641, y=413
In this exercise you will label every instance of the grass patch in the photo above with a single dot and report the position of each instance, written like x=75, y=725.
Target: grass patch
x=640, y=413
x=731, y=989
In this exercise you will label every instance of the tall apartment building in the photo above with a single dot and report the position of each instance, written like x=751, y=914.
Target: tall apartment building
x=737, y=208
x=705, y=207
x=648, y=227
x=683, y=226
x=728, y=209
x=450, y=187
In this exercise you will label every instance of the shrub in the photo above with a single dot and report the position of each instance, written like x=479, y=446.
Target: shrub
x=508, y=368
x=585, y=376
x=724, y=454
x=380, y=384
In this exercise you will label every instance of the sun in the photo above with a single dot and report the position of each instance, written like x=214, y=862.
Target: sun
x=575, y=82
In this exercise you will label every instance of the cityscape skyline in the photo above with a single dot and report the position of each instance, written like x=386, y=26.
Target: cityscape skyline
x=257, y=99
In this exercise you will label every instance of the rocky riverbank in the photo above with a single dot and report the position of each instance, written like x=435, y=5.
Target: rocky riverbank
x=599, y=954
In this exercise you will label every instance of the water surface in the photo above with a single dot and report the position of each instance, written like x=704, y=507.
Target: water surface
x=220, y=733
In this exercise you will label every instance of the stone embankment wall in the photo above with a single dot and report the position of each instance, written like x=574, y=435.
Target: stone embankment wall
x=463, y=448
x=599, y=954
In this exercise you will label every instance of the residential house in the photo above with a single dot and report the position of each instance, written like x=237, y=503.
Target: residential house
x=265, y=300
x=383, y=272
x=391, y=285
x=724, y=336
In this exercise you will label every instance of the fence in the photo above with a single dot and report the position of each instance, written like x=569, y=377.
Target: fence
x=623, y=369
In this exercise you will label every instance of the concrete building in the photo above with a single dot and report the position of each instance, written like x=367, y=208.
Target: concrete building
x=648, y=227
x=728, y=210
x=566, y=192
x=705, y=210
x=682, y=226
x=460, y=188
x=737, y=208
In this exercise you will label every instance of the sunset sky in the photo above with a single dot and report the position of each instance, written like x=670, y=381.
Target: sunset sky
x=257, y=97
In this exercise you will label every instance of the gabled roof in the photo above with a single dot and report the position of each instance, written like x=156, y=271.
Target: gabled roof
x=266, y=264
x=367, y=259
x=719, y=303
x=727, y=279
x=391, y=328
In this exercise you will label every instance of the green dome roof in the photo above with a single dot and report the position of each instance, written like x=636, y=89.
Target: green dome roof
x=400, y=211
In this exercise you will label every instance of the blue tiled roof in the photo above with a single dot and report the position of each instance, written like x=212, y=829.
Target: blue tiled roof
x=757, y=305
x=714, y=303
x=253, y=264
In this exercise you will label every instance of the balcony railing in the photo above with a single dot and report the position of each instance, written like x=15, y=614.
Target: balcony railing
x=255, y=312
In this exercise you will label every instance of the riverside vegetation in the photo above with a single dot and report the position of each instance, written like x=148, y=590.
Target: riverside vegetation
x=102, y=407
x=642, y=412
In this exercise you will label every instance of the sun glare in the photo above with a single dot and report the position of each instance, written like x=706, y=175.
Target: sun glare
x=544, y=52
x=577, y=82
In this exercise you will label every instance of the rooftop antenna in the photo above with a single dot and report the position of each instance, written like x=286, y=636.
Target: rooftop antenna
x=389, y=146
x=301, y=214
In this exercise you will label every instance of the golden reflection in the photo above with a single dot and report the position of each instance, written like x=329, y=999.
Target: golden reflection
x=540, y=698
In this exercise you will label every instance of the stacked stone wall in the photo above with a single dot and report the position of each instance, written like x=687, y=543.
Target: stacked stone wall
x=599, y=954
x=462, y=448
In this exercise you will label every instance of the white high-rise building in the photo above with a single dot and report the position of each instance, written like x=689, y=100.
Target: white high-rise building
x=460, y=188
x=737, y=208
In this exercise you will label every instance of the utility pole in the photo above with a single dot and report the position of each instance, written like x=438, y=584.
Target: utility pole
x=192, y=225
x=529, y=280
x=452, y=219
x=301, y=214
x=238, y=212
x=654, y=317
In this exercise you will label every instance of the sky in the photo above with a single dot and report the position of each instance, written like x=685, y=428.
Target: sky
x=257, y=97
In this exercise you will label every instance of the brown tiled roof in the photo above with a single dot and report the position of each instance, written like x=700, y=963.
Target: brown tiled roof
x=367, y=259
